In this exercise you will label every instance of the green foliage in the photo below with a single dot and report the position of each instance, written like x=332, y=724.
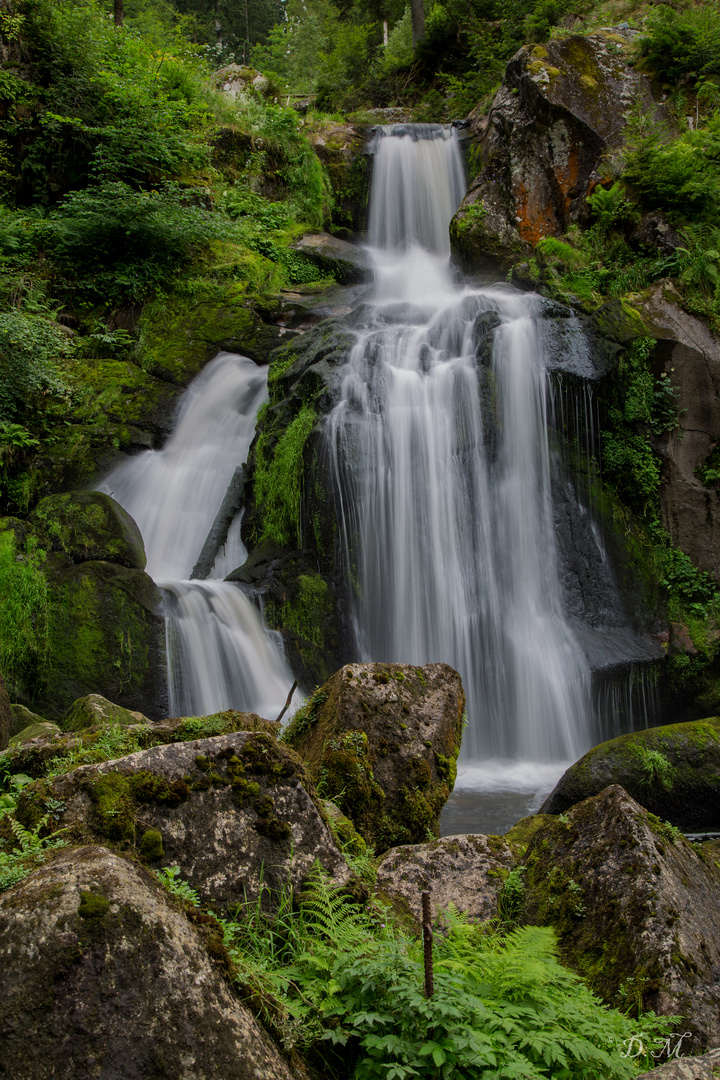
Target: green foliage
x=25, y=850
x=31, y=350
x=656, y=769
x=610, y=206
x=169, y=876
x=681, y=42
x=278, y=479
x=126, y=242
x=23, y=615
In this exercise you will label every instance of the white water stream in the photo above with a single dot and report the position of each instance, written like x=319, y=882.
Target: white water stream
x=220, y=655
x=443, y=479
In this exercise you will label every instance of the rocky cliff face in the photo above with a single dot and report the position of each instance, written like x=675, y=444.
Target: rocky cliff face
x=560, y=108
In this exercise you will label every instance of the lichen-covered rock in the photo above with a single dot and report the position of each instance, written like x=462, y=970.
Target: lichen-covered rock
x=80, y=747
x=383, y=740
x=635, y=908
x=95, y=709
x=349, y=264
x=104, y=977
x=234, y=812
x=705, y=1067
x=673, y=771
x=23, y=718
x=106, y=635
x=87, y=525
x=39, y=731
x=559, y=109
x=467, y=871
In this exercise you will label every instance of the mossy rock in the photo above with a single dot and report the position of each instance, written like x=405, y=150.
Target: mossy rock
x=23, y=718
x=106, y=635
x=179, y=336
x=635, y=908
x=88, y=525
x=237, y=813
x=381, y=741
x=94, y=709
x=673, y=771
x=42, y=730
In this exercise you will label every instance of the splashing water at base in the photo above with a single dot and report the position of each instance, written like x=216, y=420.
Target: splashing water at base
x=442, y=473
x=220, y=655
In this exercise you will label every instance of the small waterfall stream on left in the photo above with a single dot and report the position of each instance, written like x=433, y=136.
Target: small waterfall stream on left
x=220, y=655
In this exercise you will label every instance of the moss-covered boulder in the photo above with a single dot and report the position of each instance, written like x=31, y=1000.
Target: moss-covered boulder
x=94, y=709
x=381, y=741
x=22, y=718
x=467, y=871
x=236, y=813
x=106, y=634
x=88, y=525
x=104, y=975
x=559, y=109
x=635, y=908
x=39, y=731
x=673, y=771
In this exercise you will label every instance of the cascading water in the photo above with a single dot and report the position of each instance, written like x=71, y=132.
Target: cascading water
x=442, y=470
x=219, y=654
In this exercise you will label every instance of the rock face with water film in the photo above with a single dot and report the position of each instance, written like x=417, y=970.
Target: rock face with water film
x=635, y=908
x=466, y=871
x=384, y=738
x=103, y=975
x=561, y=106
x=673, y=771
x=235, y=813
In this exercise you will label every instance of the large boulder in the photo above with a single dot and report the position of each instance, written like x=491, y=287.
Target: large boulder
x=705, y=1067
x=36, y=733
x=383, y=740
x=106, y=635
x=88, y=525
x=673, y=771
x=559, y=109
x=103, y=976
x=349, y=264
x=22, y=718
x=235, y=812
x=467, y=871
x=94, y=709
x=635, y=908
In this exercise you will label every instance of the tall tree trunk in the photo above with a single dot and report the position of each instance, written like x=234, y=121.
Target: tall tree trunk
x=417, y=14
x=119, y=12
x=5, y=715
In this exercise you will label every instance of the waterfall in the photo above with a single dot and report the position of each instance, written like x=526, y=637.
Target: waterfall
x=220, y=655
x=439, y=449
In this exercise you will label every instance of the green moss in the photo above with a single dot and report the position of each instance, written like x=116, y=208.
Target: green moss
x=151, y=845
x=92, y=906
x=147, y=787
x=114, y=807
x=446, y=769
x=279, y=480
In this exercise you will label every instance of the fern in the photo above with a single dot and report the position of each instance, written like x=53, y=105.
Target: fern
x=29, y=851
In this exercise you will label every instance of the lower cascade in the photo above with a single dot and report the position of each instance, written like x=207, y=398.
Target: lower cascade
x=219, y=653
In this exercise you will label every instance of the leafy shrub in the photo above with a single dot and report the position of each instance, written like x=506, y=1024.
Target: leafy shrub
x=23, y=614
x=31, y=348
x=682, y=42
x=118, y=243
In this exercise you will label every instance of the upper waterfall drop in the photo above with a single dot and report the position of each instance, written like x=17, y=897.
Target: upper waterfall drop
x=440, y=453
